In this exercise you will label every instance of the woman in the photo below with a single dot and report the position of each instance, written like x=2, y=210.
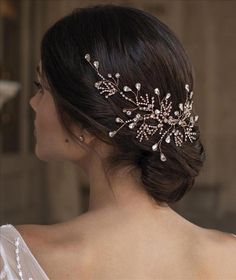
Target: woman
x=115, y=96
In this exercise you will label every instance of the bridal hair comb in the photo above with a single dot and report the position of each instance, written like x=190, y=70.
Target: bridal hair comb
x=179, y=125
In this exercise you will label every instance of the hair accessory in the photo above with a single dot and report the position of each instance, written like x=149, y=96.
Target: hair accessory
x=179, y=125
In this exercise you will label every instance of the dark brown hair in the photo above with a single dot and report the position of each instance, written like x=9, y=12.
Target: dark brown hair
x=142, y=49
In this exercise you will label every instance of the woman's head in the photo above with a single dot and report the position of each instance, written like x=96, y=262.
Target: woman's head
x=142, y=49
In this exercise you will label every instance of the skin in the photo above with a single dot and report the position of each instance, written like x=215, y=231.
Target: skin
x=121, y=236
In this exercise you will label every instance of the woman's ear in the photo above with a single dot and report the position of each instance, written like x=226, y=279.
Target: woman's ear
x=78, y=130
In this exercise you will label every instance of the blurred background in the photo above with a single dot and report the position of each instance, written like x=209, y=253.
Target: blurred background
x=36, y=192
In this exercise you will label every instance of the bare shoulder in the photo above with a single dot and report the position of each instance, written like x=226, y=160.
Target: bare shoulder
x=221, y=239
x=60, y=258
x=67, y=254
x=219, y=250
x=33, y=233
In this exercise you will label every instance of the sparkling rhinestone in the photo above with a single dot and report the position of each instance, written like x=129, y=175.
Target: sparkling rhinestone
x=109, y=75
x=176, y=113
x=138, y=116
x=196, y=118
x=112, y=133
x=126, y=88
x=168, y=139
x=156, y=90
x=168, y=95
x=117, y=75
x=191, y=95
x=181, y=106
x=17, y=250
x=163, y=158
x=154, y=147
x=18, y=266
x=138, y=86
x=87, y=57
x=157, y=111
x=128, y=113
x=96, y=64
x=131, y=125
x=187, y=87
x=96, y=84
x=119, y=120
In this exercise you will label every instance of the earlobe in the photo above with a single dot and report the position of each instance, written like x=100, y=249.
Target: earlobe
x=82, y=134
x=87, y=136
x=81, y=138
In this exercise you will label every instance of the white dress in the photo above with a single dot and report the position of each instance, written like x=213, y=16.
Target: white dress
x=16, y=260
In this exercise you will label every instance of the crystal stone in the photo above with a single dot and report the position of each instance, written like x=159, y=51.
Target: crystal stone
x=196, y=118
x=187, y=87
x=156, y=90
x=96, y=84
x=154, y=147
x=163, y=158
x=87, y=57
x=131, y=125
x=191, y=95
x=112, y=133
x=119, y=120
x=138, y=86
x=168, y=139
x=126, y=88
x=117, y=75
x=168, y=95
x=96, y=64
x=181, y=106
x=109, y=75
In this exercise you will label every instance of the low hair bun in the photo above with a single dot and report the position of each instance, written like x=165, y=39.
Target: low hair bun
x=169, y=181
